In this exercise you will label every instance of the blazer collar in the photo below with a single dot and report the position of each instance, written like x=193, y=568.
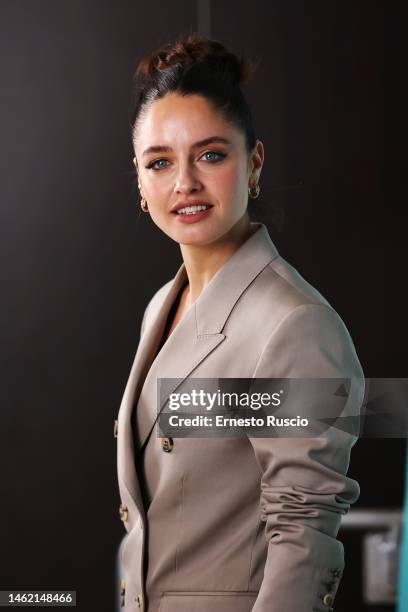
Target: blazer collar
x=229, y=282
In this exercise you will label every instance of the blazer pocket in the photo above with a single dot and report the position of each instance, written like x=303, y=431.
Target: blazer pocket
x=207, y=601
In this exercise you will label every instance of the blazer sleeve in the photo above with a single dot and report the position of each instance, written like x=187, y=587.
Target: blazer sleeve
x=304, y=487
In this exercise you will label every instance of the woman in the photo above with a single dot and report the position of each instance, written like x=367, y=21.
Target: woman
x=226, y=524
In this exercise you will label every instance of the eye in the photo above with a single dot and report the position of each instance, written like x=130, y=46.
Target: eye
x=220, y=155
x=153, y=164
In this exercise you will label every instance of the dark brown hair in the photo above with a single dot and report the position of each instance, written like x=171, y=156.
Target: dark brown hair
x=197, y=65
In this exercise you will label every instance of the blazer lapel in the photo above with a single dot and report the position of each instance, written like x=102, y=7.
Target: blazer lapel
x=191, y=349
x=145, y=353
x=199, y=333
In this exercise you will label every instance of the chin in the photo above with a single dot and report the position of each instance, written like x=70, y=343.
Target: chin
x=198, y=236
x=199, y=239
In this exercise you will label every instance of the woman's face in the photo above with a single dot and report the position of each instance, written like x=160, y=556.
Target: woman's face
x=183, y=169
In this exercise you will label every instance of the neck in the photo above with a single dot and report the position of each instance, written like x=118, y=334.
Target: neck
x=202, y=262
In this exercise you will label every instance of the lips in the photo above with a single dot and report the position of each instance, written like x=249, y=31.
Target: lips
x=191, y=210
x=189, y=204
x=192, y=214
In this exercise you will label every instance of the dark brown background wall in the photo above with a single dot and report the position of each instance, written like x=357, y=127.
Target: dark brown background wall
x=79, y=261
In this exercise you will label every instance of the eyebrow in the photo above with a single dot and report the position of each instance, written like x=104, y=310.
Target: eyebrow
x=200, y=143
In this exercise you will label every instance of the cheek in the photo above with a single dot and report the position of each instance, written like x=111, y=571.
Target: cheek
x=157, y=195
x=227, y=183
x=155, y=186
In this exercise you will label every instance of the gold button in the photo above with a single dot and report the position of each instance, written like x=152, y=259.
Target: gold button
x=115, y=429
x=122, y=592
x=123, y=513
x=167, y=444
x=139, y=600
x=328, y=599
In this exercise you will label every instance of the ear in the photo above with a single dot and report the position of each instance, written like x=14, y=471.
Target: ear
x=135, y=162
x=257, y=159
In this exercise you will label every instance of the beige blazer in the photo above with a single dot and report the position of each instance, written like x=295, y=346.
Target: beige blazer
x=236, y=524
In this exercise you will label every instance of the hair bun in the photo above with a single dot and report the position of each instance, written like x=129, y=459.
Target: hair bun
x=195, y=65
x=195, y=49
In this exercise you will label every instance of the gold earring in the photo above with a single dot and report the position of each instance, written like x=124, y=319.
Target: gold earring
x=254, y=194
x=143, y=203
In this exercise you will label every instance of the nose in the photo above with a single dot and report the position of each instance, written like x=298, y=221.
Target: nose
x=186, y=180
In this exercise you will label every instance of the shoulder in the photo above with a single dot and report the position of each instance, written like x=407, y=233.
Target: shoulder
x=283, y=284
x=154, y=303
x=280, y=291
x=299, y=323
x=158, y=296
x=308, y=334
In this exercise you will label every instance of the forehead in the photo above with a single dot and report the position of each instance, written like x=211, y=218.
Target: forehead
x=182, y=119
